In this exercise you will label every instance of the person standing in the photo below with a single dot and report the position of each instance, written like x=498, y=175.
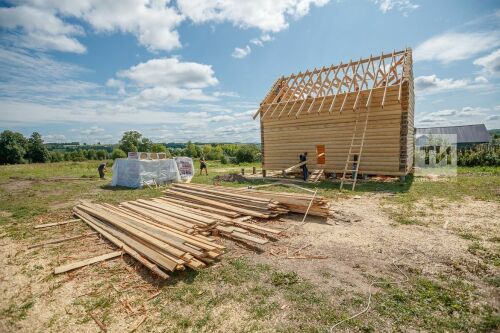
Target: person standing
x=102, y=169
x=305, y=171
x=203, y=165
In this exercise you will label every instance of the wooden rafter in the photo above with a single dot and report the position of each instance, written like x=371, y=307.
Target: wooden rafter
x=316, y=86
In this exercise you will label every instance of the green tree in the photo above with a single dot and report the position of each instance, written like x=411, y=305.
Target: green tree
x=216, y=153
x=206, y=151
x=145, y=145
x=247, y=153
x=158, y=148
x=102, y=154
x=191, y=150
x=118, y=153
x=37, y=151
x=91, y=154
x=130, y=141
x=13, y=147
x=56, y=156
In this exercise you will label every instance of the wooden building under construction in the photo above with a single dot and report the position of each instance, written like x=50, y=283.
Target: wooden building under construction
x=351, y=118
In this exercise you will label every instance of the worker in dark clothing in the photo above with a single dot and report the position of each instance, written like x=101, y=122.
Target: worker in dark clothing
x=203, y=165
x=102, y=169
x=305, y=172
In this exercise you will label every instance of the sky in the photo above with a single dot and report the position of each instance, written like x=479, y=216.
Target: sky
x=89, y=70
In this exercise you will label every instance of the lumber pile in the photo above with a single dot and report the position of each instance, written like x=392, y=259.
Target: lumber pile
x=173, y=232
x=228, y=200
x=294, y=202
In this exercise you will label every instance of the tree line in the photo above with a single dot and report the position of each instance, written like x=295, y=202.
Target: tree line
x=17, y=149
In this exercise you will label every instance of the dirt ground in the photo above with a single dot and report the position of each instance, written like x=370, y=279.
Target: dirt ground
x=359, y=245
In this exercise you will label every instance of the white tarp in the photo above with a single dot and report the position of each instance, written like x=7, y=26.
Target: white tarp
x=186, y=168
x=136, y=173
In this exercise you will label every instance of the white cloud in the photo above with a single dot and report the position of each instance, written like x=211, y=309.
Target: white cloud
x=481, y=79
x=446, y=113
x=468, y=111
x=167, y=80
x=41, y=29
x=120, y=85
x=453, y=46
x=170, y=72
x=161, y=96
x=221, y=118
x=92, y=130
x=432, y=84
x=261, y=40
x=240, y=53
x=404, y=6
x=153, y=22
x=450, y=117
x=54, y=138
x=490, y=63
x=268, y=16
x=226, y=94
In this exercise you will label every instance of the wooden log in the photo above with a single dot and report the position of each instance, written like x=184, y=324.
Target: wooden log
x=86, y=262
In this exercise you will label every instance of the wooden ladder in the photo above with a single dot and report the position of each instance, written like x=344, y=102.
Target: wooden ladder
x=350, y=160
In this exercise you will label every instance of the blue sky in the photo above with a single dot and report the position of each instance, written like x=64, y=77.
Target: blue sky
x=88, y=70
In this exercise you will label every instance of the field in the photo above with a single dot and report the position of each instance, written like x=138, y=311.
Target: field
x=428, y=250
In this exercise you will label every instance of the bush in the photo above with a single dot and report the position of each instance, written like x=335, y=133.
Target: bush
x=481, y=155
x=118, y=153
x=247, y=154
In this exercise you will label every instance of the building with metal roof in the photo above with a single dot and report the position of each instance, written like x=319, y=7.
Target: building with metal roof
x=467, y=135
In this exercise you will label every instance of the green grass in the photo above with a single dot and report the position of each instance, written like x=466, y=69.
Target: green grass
x=254, y=294
x=435, y=305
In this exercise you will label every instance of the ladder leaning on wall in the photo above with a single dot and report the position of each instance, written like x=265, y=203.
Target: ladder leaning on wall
x=355, y=150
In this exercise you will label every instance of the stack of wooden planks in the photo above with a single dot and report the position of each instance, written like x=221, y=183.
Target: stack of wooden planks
x=286, y=201
x=172, y=232
x=225, y=199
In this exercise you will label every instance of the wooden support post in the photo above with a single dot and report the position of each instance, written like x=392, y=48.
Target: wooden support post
x=263, y=173
x=254, y=171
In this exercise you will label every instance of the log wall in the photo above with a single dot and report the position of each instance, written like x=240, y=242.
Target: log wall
x=388, y=145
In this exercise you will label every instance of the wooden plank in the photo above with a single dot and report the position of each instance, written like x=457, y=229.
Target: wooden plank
x=60, y=240
x=48, y=225
x=86, y=262
x=133, y=248
x=122, y=232
x=218, y=204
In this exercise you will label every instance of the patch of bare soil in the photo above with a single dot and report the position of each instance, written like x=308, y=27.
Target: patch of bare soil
x=17, y=185
x=231, y=177
x=361, y=242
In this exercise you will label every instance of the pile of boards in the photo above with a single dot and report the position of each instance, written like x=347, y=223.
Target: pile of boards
x=241, y=197
x=174, y=231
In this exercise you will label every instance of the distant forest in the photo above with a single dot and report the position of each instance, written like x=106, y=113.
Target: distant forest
x=17, y=149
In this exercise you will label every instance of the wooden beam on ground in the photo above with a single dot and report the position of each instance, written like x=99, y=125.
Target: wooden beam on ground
x=60, y=240
x=41, y=226
x=86, y=262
